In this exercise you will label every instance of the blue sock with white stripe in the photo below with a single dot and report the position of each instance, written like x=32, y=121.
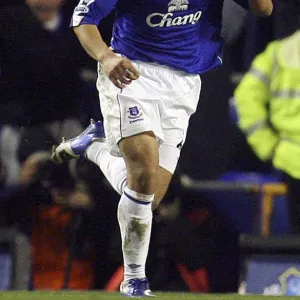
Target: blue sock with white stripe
x=135, y=221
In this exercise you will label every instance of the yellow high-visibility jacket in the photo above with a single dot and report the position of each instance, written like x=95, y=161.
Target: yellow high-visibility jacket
x=268, y=104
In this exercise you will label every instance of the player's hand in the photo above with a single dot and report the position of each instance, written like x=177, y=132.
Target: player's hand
x=120, y=70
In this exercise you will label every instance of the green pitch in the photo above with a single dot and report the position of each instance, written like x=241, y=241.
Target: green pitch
x=116, y=296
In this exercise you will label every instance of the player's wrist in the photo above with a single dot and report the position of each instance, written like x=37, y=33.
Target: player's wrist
x=105, y=55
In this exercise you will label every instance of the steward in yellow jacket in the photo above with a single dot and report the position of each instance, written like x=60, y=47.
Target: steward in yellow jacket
x=268, y=106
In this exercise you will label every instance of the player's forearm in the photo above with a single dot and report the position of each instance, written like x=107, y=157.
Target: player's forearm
x=91, y=40
x=261, y=7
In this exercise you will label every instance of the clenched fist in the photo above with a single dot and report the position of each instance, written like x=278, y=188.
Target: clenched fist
x=119, y=70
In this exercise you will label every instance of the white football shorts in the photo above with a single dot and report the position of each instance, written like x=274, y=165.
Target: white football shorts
x=161, y=100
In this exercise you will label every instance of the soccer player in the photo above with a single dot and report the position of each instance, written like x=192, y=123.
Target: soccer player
x=149, y=86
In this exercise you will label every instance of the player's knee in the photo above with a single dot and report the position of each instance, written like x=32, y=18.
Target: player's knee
x=143, y=179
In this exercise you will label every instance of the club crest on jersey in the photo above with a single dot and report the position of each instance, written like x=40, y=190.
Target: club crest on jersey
x=178, y=5
x=170, y=19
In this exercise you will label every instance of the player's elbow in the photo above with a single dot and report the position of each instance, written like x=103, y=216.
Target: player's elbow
x=262, y=8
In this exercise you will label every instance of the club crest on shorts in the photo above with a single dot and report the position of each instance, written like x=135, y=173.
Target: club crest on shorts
x=134, y=112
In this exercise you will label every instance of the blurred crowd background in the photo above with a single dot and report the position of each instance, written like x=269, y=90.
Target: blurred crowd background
x=68, y=212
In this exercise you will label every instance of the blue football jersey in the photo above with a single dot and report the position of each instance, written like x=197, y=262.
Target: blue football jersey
x=182, y=34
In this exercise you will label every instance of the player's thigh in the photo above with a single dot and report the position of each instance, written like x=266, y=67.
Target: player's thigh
x=140, y=150
x=163, y=181
x=128, y=112
x=141, y=156
x=175, y=120
x=174, y=124
x=174, y=138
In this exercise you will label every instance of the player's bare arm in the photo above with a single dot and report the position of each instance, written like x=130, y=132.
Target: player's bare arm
x=118, y=69
x=261, y=7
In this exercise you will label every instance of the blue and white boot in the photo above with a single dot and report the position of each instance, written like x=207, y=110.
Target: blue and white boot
x=136, y=288
x=76, y=147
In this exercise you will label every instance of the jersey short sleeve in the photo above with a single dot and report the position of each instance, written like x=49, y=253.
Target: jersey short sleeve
x=91, y=11
x=243, y=3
